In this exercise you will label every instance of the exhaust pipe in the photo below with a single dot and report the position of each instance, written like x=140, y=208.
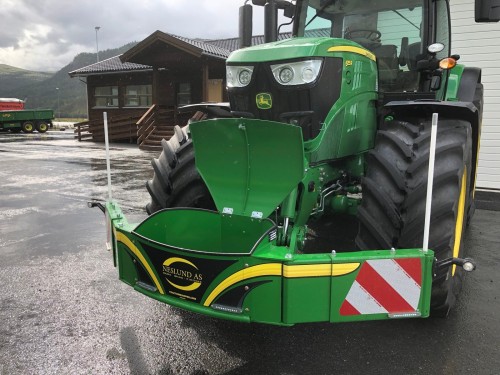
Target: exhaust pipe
x=246, y=19
x=270, y=21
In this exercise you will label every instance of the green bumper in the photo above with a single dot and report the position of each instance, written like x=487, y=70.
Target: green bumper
x=229, y=267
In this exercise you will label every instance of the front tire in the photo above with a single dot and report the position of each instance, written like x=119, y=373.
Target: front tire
x=176, y=181
x=394, y=194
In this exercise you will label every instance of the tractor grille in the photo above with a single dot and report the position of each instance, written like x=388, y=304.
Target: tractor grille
x=304, y=105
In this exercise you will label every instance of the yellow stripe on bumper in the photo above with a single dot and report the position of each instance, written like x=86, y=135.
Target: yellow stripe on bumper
x=317, y=270
x=120, y=237
x=270, y=269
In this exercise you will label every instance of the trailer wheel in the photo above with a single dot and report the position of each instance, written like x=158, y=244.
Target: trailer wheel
x=394, y=193
x=176, y=181
x=42, y=126
x=28, y=127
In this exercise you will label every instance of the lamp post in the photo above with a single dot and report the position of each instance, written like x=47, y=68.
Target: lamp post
x=97, y=41
x=58, y=107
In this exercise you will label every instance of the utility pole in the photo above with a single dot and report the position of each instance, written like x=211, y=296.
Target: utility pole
x=97, y=41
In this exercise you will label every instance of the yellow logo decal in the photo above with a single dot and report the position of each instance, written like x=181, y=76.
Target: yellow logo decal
x=348, y=63
x=182, y=274
x=264, y=100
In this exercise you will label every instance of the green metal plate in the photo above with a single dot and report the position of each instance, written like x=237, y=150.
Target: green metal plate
x=204, y=231
x=249, y=166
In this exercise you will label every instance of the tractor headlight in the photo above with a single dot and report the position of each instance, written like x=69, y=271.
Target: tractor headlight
x=297, y=73
x=238, y=76
x=285, y=75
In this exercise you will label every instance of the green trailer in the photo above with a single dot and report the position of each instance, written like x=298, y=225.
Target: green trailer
x=26, y=120
x=253, y=208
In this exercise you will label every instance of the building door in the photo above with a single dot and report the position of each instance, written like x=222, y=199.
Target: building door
x=214, y=90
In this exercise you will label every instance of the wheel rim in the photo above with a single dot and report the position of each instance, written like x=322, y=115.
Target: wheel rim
x=459, y=225
x=28, y=127
x=42, y=127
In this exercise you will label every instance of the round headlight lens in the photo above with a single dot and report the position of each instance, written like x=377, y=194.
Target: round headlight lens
x=286, y=74
x=308, y=74
x=244, y=77
x=297, y=72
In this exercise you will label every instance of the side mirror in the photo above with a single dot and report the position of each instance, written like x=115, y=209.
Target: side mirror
x=288, y=8
x=487, y=10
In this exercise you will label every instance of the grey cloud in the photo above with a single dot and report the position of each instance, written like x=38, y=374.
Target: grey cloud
x=121, y=22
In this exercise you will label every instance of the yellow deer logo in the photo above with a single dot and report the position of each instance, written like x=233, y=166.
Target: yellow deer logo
x=264, y=100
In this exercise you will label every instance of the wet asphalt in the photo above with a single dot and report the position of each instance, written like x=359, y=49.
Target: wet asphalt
x=64, y=311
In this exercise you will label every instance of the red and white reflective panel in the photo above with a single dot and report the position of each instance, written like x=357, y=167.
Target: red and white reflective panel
x=385, y=286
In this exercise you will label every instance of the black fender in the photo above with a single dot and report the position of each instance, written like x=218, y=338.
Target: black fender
x=468, y=82
x=424, y=108
x=471, y=89
x=463, y=110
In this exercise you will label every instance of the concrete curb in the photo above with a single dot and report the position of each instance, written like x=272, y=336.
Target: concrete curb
x=488, y=200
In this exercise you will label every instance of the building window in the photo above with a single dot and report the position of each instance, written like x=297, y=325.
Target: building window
x=184, y=93
x=139, y=96
x=106, y=96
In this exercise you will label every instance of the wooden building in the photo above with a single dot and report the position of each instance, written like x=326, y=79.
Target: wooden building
x=141, y=89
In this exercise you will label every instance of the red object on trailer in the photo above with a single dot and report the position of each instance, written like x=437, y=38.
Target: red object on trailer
x=11, y=104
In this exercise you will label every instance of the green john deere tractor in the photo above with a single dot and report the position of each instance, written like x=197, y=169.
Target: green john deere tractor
x=304, y=199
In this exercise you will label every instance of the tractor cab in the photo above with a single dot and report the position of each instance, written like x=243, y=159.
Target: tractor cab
x=392, y=32
x=397, y=32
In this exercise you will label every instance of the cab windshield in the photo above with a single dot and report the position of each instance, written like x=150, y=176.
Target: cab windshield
x=391, y=29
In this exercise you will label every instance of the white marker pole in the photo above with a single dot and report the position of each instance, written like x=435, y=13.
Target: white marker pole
x=106, y=141
x=430, y=181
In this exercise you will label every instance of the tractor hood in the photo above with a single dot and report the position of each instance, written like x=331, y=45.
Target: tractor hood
x=289, y=49
x=250, y=166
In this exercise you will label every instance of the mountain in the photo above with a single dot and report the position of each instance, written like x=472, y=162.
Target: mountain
x=12, y=78
x=57, y=91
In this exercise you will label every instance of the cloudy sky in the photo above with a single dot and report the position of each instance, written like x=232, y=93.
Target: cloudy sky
x=45, y=35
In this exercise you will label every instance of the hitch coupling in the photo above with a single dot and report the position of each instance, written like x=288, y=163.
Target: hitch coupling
x=468, y=264
x=99, y=205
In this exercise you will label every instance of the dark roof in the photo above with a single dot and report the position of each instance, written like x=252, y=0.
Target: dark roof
x=111, y=65
x=232, y=44
x=207, y=48
x=195, y=47
x=216, y=48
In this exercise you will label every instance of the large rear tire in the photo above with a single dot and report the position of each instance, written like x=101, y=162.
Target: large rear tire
x=176, y=181
x=394, y=194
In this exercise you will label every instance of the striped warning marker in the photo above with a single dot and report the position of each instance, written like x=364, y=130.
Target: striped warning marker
x=385, y=286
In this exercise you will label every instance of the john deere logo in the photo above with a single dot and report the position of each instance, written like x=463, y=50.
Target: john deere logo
x=264, y=100
x=182, y=274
